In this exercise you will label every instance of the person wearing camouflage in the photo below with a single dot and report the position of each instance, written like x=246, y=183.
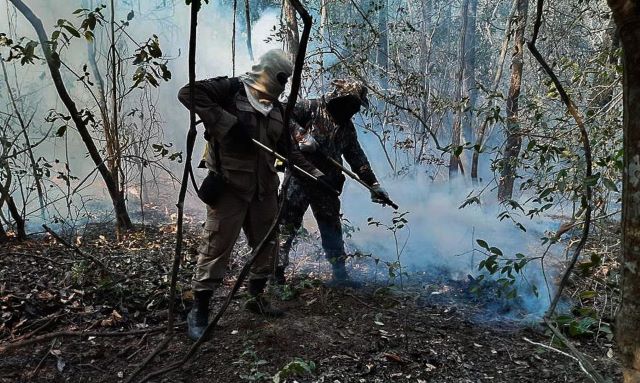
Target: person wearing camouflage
x=324, y=130
x=235, y=111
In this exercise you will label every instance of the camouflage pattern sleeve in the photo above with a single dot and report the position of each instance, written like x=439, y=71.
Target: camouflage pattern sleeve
x=208, y=95
x=287, y=147
x=355, y=156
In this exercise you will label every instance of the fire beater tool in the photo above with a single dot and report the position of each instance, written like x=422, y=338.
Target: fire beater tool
x=353, y=175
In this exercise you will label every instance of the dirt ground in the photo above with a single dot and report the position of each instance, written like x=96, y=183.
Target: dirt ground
x=432, y=330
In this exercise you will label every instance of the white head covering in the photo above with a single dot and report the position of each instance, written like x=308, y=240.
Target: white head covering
x=263, y=76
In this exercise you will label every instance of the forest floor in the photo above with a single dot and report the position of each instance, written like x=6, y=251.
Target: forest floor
x=432, y=330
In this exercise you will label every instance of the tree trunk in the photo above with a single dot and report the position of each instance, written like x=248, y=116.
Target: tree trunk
x=3, y=234
x=382, y=53
x=114, y=151
x=24, y=127
x=291, y=36
x=324, y=30
x=470, y=71
x=514, y=138
x=454, y=159
x=627, y=330
x=122, y=216
x=496, y=81
x=247, y=16
x=5, y=196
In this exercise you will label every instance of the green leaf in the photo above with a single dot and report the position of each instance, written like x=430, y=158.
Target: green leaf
x=609, y=184
x=592, y=180
x=61, y=130
x=482, y=243
x=71, y=30
x=588, y=294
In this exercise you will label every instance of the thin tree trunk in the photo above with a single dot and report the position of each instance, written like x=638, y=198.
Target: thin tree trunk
x=627, y=330
x=233, y=39
x=454, y=159
x=291, y=36
x=3, y=234
x=115, y=158
x=514, y=138
x=325, y=38
x=5, y=196
x=247, y=15
x=382, y=53
x=24, y=126
x=122, y=216
x=600, y=98
x=470, y=71
x=496, y=81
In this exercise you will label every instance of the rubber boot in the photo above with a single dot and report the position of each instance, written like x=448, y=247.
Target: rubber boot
x=279, y=278
x=198, y=317
x=258, y=304
x=340, y=278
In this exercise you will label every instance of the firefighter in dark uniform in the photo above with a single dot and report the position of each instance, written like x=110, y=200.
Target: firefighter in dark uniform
x=235, y=111
x=325, y=130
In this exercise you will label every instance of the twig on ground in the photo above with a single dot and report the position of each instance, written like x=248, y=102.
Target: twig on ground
x=76, y=249
x=552, y=349
x=47, y=323
x=43, y=338
x=150, y=357
x=36, y=257
x=585, y=365
x=35, y=371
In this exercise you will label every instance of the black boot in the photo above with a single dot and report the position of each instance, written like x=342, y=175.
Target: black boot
x=279, y=278
x=258, y=304
x=340, y=277
x=198, y=317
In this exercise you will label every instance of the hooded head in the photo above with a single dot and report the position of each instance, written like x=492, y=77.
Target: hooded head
x=270, y=73
x=346, y=97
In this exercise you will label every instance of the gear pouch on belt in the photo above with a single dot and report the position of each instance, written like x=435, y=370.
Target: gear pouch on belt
x=211, y=188
x=213, y=184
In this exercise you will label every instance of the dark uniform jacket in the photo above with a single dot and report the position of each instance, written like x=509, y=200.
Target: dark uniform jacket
x=334, y=140
x=220, y=103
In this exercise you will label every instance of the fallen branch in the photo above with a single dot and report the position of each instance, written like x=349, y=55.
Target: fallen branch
x=36, y=257
x=43, y=338
x=552, y=349
x=584, y=363
x=76, y=249
x=559, y=352
x=150, y=357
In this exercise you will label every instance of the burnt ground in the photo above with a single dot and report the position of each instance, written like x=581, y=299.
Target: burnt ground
x=433, y=330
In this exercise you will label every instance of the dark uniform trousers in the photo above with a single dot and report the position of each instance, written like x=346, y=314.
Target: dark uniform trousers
x=326, y=210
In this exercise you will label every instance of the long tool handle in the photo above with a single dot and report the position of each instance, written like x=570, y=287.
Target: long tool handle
x=353, y=175
x=295, y=167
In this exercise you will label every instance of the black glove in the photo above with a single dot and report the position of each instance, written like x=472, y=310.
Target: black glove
x=378, y=194
x=240, y=137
